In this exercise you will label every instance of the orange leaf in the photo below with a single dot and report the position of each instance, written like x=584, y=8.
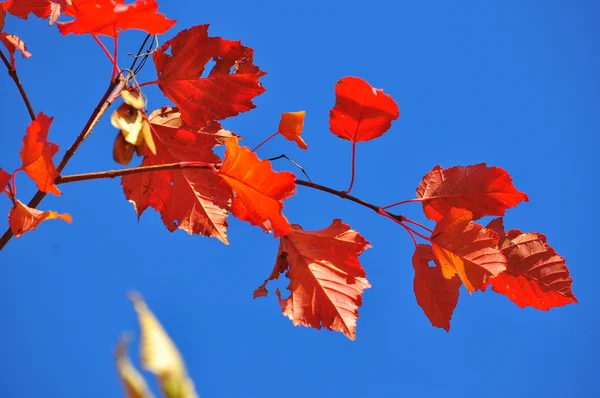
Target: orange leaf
x=484, y=191
x=535, y=274
x=13, y=44
x=193, y=200
x=291, y=125
x=326, y=278
x=112, y=17
x=22, y=218
x=259, y=191
x=467, y=249
x=361, y=112
x=436, y=295
x=220, y=94
x=37, y=153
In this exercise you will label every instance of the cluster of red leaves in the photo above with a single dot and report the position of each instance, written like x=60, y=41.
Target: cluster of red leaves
x=326, y=277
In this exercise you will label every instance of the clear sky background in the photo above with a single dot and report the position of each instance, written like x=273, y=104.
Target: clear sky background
x=511, y=83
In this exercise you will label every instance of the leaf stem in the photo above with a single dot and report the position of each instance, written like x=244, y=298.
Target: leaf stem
x=148, y=83
x=353, y=159
x=112, y=91
x=262, y=143
x=13, y=74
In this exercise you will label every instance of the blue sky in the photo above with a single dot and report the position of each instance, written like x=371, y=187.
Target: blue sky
x=511, y=83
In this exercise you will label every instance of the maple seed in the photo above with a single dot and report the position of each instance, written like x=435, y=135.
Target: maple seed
x=135, y=133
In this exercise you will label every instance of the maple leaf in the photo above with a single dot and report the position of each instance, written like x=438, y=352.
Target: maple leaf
x=23, y=218
x=134, y=384
x=4, y=180
x=220, y=94
x=40, y=8
x=193, y=200
x=37, y=153
x=467, y=249
x=112, y=17
x=436, y=295
x=535, y=274
x=361, y=112
x=160, y=356
x=291, y=125
x=484, y=191
x=259, y=191
x=326, y=278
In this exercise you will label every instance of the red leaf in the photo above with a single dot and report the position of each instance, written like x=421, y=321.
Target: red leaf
x=193, y=200
x=37, y=153
x=484, y=191
x=436, y=295
x=326, y=278
x=220, y=94
x=259, y=191
x=4, y=180
x=13, y=44
x=112, y=17
x=467, y=249
x=361, y=112
x=22, y=218
x=497, y=225
x=40, y=8
x=291, y=125
x=535, y=274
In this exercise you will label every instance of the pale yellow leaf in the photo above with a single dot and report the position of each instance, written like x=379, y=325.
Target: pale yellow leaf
x=134, y=384
x=160, y=356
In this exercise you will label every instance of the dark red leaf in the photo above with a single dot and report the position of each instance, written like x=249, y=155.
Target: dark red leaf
x=484, y=191
x=436, y=295
x=227, y=89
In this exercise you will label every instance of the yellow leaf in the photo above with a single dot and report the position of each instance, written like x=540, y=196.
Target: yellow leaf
x=134, y=384
x=160, y=356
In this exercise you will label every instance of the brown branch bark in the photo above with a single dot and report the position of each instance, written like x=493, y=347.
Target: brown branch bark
x=13, y=75
x=111, y=93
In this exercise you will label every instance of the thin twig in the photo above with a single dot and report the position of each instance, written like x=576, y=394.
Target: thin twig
x=113, y=90
x=283, y=156
x=13, y=74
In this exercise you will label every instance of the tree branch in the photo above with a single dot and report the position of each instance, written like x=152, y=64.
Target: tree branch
x=111, y=93
x=13, y=74
x=187, y=165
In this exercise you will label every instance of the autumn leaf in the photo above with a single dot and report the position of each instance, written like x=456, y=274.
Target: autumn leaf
x=11, y=42
x=220, y=94
x=326, y=278
x=40, y=8
x=291, y=125
x=484, y=191
x=259, y=191
x=436, y=295
x=23, y=218
x=170, y=117
x=112, y=17
x=37, y=153
x=194, y=200
x=160, y=355
x=535, y=274
x=361, y=112
x=134, y=384
x=467, y=249
x=4, y=180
